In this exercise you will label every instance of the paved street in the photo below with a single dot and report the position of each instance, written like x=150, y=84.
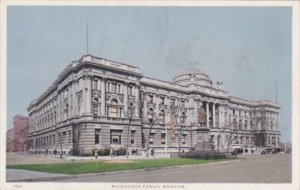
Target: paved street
x=274, y=168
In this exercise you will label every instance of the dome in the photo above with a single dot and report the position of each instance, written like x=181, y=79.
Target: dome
x=192, y=76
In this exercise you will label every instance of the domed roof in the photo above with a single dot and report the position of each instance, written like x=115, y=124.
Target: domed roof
x=192, y=71
x=192, y=76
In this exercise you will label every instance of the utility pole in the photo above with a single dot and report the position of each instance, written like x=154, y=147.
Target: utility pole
x=276, y=91
x=87, y=37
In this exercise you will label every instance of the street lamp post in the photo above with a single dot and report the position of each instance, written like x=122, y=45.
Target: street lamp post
x=129, y=115
x=61, y=140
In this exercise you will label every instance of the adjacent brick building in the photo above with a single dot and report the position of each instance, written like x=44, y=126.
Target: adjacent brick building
x=10, y=140
x=20, y=133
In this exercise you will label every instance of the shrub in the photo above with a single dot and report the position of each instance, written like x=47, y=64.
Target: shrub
x=121, y=152
x=88, y=153
x=106, y=151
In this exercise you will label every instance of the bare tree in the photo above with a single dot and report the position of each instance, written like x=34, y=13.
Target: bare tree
x=179, y=117
x=129, y=114
x=230, y=128
x=153, y=120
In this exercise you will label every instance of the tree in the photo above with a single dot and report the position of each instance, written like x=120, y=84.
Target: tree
x=179, y=118
x=128, y=114
x=230, y=128
x=153, y=120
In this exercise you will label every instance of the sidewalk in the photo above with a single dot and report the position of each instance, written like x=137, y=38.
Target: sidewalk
x=19, y=175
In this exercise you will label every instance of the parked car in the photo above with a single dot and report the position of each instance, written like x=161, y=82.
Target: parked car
x=263, y=152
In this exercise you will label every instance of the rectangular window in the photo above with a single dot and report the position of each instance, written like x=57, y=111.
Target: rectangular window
x=151, y=139
x=115, y=136
x=95, y=84
x=108, y=87
x=182, y=103
x=119, y=88
x=162, y=100
x=163, y=138
x=70, y=136
x=150, y=117
x=183, y=139
x=113, y=112
x=132, y=137
x=150, y=98
x=64, y=134
x=79, y=102
x=95, y=109
x=161, y=118
x=113, y=87
x=172, y=102
x=130, y=90
x=97, y=136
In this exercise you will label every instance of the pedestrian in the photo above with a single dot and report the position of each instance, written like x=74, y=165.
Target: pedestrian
x=96, y=153
x=152, y=152
x=111, y=152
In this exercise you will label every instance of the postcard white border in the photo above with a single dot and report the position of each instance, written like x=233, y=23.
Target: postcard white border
x=214, y=186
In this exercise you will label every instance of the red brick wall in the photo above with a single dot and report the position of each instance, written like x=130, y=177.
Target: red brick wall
x=21, y=127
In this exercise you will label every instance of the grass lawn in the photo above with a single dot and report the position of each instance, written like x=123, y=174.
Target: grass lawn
x=101, y=166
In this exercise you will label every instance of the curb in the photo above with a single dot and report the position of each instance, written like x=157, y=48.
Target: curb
x=55, y=178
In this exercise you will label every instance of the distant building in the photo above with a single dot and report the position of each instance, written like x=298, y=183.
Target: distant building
x=21, y=128
x=10, y=140
x=98, y=103
x=286, y=146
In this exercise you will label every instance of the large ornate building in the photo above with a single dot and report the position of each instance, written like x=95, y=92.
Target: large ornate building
x=98, y=103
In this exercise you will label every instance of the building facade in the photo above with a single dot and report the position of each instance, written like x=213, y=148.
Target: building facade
x=97, y=103
x=10, y=140
x=20, y=133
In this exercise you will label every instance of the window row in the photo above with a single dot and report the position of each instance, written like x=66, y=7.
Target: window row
x=115, y=137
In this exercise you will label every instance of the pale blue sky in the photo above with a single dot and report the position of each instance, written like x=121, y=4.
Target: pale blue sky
x=249, y=49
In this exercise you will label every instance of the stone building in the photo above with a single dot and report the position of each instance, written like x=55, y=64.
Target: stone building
x=98, y=103
x=20, y=133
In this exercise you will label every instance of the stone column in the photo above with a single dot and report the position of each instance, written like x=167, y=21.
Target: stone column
x=145, y=106
x=98, y=84
x=167, y=113
x=157, y=104
x=69, y=100
x=213, y=115
x=125, y=99
x=58, y=107
x=75, y=98
x=137, y=102
x=89, y=95
x=103, y=96
x=207, y=114
x=195, y=114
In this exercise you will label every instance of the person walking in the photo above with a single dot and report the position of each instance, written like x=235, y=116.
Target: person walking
x=96, y=153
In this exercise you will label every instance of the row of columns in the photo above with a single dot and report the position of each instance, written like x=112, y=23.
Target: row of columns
x=156, y=101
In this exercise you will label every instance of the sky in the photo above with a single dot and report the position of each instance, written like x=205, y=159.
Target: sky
x=248, y=49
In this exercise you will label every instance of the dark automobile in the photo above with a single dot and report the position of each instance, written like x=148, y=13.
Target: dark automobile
x=263, y=152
